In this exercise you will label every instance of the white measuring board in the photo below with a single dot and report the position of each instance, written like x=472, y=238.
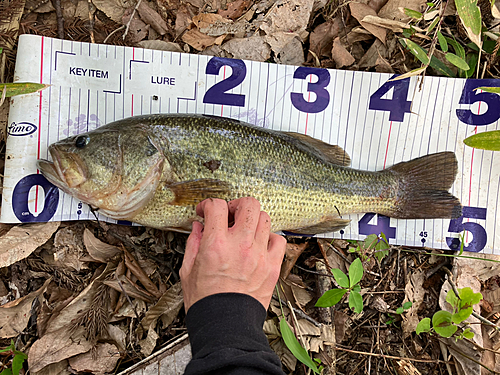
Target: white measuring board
x=378, y=123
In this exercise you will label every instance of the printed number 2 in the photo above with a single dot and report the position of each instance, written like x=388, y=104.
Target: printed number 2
x=469, y=96
x=398, y=105
x=217, y=93
x=319, y=88
x=20, y=198
x=383, y=226
x=478, y=232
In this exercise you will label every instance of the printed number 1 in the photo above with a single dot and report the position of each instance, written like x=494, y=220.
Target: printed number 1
x=478, y=232
x=398, y=105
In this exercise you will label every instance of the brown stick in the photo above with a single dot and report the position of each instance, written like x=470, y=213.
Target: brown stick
x=60, y=19
x=392, y=356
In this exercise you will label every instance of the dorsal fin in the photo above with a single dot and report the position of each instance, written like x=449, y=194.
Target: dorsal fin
x=334, y=154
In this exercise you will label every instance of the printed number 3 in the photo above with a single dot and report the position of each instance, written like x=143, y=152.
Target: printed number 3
x=478, y=232
x=319, y=88
x=469, y=96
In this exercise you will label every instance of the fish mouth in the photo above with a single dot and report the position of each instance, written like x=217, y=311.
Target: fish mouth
x=66, y=172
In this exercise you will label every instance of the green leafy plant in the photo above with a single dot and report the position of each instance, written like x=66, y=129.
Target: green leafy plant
x=406, y=306
x=446, y=323
x=17, y=360
x=372, y=243
x=485, y=141
x=347, y=284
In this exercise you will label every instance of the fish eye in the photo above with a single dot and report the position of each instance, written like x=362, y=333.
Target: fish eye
x=82, y=141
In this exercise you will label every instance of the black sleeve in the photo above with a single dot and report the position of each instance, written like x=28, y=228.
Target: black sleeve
x=225, y=331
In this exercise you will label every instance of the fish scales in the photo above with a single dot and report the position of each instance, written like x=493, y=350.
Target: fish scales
x=301, y=182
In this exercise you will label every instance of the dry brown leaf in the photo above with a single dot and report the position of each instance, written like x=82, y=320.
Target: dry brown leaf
x=414, y=292
x=182, y=21
x=14, y=315
x=254, y=48
x=150, y=17
x=235, y=9
x=169, y=304
x=376, y=5
x=100, y=251
x=138, y=272
x=118, y=336
x=340, y=320
x=383, y=66
x=376, y=50
x=289, y=16
x=396, y=26
x=392, y=10
x=57, y=346
x=204, y=20
x=59, y=368
x=160, y=45
x=359, y=11
x=321, y=39
x=130, y=288
x=114, y=9
x=19, y=242
x=149, y=343
x=68, y=247
x=292, y=253
x=99, y=361
x=138, y=30
x=340, y=55
x=287, y=48
x=198, y=40
x=285, y=355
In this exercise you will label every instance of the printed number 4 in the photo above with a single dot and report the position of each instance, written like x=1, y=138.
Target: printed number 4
x=398, y=105
x=383, y=226
x=478, y=232
x=469, y=96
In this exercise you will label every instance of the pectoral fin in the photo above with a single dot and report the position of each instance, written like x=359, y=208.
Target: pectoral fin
x=334, y=154
x=331, y=224
x=189, y=193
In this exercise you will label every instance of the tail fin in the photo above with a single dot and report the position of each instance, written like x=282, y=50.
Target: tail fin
x=423, y=187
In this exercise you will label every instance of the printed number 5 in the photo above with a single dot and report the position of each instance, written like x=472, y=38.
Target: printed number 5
x=469, y=96
x=478, y=232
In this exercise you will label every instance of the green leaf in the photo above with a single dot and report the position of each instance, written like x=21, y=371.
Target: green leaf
x=441, y=322
x=331, y=297
x=430, y=4
x=457, y=61
x=433, y=25
x=468, y=297
x=413, y=13
x=461, y=315
x=417, y=51
x=468, y=334
x=452, y=299
x=442, y=42
x=459, y=50
x=441, y=67
x=17, y=363
x=407, y=305
x=341, y=278
x=423, y=326
x=20, y=88
x=356, y=288
x=407, y=33
x=355, y=302
x=472, y=59
x=293, y=344
x=399, y=310
x=355, y=272
x=7, y=371
x=485, y=141
x=493, y=90
x=369, y=241
x=470, y=15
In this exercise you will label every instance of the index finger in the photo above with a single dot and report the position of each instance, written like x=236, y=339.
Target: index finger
x=246, y=212
x=215, y=213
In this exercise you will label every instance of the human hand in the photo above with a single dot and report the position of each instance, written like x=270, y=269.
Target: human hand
x=244, y=258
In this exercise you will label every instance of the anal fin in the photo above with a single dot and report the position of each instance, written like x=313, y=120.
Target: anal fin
x=193, y=192
x=330, y=224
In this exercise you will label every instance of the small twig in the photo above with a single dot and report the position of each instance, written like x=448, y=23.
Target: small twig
x=391, y=356
x=129, y=301
x=300, y=313
x=130, y=20
x=60, y=19
x=91, y=21
x=112, y=33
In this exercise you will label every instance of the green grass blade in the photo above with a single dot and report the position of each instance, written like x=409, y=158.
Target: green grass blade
x=293, y=344
x=457, y=61
x=485, y=141
x=20, y=88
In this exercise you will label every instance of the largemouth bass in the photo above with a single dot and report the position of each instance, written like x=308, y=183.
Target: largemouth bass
x=155, y=169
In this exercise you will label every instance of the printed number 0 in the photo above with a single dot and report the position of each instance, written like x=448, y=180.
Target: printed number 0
x=217, y=93
x=398, y=105
x=469, y=96
x=20, y=199
x=319, y=88
x=478, y=232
